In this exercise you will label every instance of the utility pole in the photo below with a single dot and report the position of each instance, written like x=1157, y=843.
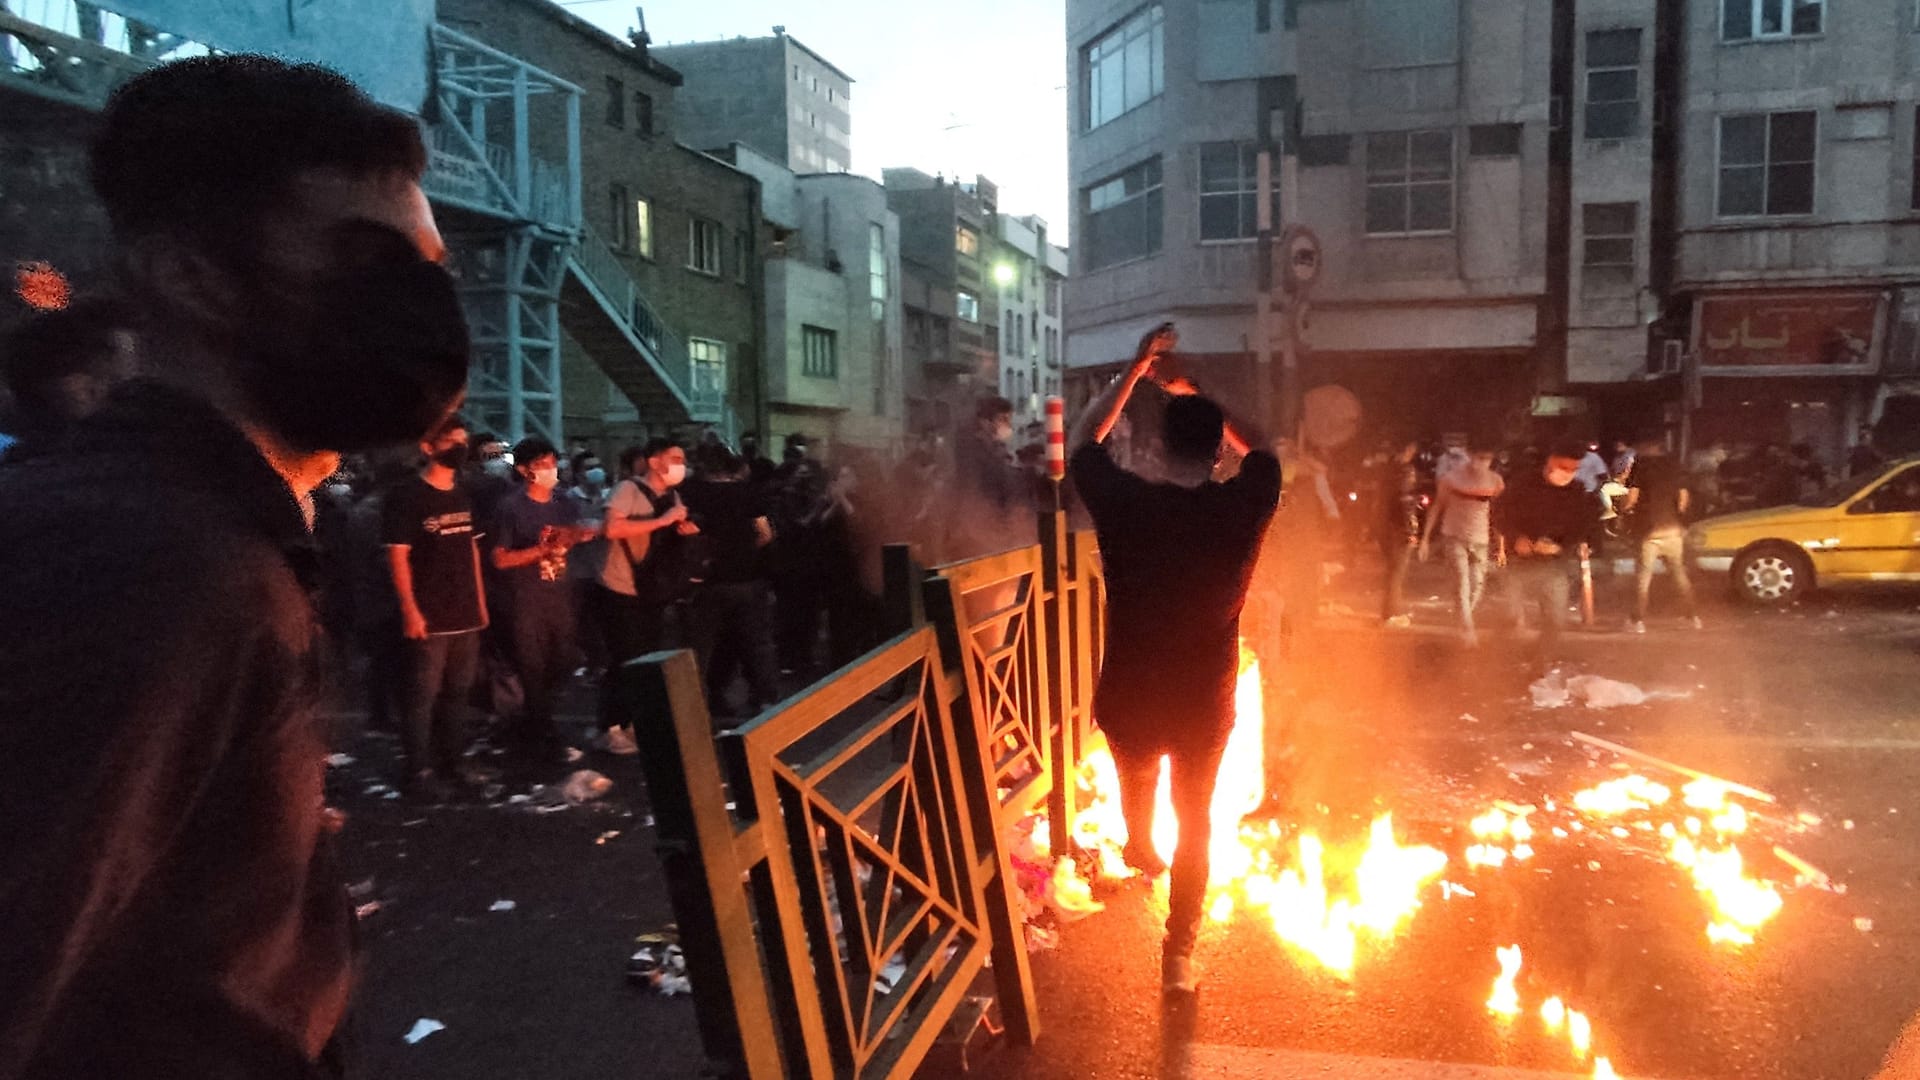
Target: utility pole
x=1263, y=292
x=1296, y=296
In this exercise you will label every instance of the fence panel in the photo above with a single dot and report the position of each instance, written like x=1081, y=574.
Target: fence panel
x=849, y=902
x=992, y=620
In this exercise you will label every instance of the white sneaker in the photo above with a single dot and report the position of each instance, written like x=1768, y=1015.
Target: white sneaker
x=616, y=740
x=1635, y=626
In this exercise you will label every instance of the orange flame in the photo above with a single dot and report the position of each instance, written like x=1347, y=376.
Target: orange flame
x=1504, y=1002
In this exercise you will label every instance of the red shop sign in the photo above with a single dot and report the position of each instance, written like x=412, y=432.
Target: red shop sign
x=1808, y=329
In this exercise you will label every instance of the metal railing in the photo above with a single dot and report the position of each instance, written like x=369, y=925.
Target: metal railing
x=78, y=52
x=623, y=300
x=837, y=866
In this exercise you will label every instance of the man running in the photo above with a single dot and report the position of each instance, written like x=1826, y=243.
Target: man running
x=1178, y=556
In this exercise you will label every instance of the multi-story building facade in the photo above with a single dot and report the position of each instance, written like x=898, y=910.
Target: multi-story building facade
x=952, y=307
x=1420, y=156
x=774, y=94
x=833, y=310
x=1029, y=274
x=661, y=318
x=1794, y=295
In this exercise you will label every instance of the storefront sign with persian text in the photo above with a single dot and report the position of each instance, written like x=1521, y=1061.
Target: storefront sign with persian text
x=1804, y=329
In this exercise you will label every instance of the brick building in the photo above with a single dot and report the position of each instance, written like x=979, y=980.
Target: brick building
x=661, y=305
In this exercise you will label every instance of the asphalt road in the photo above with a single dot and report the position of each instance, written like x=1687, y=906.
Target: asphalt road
x=1817, y=708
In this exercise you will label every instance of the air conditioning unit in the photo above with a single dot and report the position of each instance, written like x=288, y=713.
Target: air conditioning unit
x=1672, y=357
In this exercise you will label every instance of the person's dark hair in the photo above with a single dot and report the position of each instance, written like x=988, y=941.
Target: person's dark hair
x=48, y=346
x=993, y=408
x=629, y=456
x=1568, y=449
x=578, y=462
x=453, y=423
x=532, y=449
x=655, y=447
x=1481, y=444
x=207, y=143
x=1194, y=425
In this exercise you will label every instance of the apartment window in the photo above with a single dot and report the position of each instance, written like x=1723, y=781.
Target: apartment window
x=707, y=362
x=966, y=241
x=1411, y=33
x=1606, y=258
x=1493, y=140
x=1006, y=333
x=1230, y=191
x=1121, y=216
x=703, y=246
x=623, y=226
x=967, y=306
x=1409, y=182
x=1053, y=286
x=642, y=113
x=877, y=270
x=1125, y=66
x=1613, y=84
x=1766, y=164
x=1019, y=335
x=616, y=102
x=1750, y=20
x=643, y=227
x=740, y=257
x=1262, y=16
x=1316, y=150
x=819, y=356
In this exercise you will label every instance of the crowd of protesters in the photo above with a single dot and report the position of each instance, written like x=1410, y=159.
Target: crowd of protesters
x=473, y=578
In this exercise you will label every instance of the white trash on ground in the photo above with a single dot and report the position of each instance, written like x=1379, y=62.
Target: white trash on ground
x=422, y=1028
x=585, y=786
x=1069, y=895
x=502, y=905
x=1555, y=691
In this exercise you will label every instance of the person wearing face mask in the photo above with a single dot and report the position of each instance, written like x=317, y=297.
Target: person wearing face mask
x=169, y=887
x=534, y=530
x=590, y=482
x=1544, y=521
x=433, y=554
x=642, y=576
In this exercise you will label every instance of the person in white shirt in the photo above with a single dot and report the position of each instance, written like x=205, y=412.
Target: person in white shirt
x=1462, y=511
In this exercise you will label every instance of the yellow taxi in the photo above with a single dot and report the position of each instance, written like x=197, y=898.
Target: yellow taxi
x=1863, y=530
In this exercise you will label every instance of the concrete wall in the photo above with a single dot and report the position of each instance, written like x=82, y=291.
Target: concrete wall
x=1859, y=77
x=380, y=44
x=771, y=93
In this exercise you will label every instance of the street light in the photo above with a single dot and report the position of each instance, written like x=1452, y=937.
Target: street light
x=1003, y=274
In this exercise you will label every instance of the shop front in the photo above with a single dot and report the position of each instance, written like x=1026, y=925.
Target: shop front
x=1786, y=368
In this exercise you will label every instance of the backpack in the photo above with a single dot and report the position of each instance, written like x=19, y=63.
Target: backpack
x=664, y=570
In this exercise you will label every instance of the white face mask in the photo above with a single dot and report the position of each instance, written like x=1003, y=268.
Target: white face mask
x=546, y=478
x=676, y=475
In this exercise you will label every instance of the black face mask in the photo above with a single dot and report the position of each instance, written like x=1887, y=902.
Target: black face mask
x=453, y=457
x=378, y=356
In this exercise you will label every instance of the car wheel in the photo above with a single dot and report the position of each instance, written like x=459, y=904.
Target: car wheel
x=1772, y=575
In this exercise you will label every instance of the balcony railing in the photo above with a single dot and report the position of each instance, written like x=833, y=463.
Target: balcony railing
x=468, y=167
x=76, y=52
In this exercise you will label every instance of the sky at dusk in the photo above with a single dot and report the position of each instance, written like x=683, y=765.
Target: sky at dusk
x=960, y=89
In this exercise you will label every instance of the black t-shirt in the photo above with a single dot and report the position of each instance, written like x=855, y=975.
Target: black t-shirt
x=518, y=524
x=1658, y=479
x=725, y=512
x=438, y=529
x=1178, y=562
x=1534, y=509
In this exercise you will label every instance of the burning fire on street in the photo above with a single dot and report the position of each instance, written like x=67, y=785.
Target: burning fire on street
x=1340, y=901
